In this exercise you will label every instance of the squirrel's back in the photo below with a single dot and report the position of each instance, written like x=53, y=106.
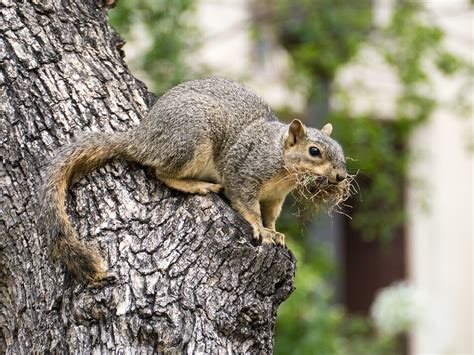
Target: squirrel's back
x=228, y=104
x=210, y=109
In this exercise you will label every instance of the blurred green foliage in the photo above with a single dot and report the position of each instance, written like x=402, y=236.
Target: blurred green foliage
x=167, y=25
x=381, y=160
x=322, y=35
x=309, y=322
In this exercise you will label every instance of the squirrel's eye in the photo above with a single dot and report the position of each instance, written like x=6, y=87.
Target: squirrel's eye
x=315, y=152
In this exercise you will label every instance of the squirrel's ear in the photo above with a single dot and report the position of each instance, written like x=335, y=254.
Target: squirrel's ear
x=296, y=132
x=327, y=129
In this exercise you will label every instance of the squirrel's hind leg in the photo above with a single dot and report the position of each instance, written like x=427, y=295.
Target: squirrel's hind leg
x=191, y=186
x=196, y=176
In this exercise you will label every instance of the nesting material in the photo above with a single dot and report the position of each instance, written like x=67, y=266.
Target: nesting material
x=316, y=193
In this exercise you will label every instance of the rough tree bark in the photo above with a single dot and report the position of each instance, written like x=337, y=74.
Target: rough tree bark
x=188, y=277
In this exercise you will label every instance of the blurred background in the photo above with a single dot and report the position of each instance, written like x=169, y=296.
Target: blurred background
x=392, y=272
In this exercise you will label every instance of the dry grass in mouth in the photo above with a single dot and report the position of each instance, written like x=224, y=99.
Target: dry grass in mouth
x=316, y=192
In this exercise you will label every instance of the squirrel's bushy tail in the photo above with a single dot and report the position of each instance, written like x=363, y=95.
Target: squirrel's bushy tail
x=87, y=153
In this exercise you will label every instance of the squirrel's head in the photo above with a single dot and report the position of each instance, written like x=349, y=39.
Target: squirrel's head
x=312, y=151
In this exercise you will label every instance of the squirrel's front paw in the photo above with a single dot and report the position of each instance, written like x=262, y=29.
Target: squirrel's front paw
x=265, y=235
x=279, y=238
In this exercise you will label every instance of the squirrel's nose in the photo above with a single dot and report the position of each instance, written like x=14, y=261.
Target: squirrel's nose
x=340, y=176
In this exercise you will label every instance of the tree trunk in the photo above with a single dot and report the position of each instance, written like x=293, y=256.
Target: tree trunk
x=188, y=277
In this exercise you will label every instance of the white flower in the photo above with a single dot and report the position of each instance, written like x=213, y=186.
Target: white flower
x=396, y=309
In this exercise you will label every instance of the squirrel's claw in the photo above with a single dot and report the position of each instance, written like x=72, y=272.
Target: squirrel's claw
x=279, y=238
x=265, y=235
x=267, y=241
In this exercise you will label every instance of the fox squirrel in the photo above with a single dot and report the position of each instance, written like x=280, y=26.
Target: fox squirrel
x=200, y=136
